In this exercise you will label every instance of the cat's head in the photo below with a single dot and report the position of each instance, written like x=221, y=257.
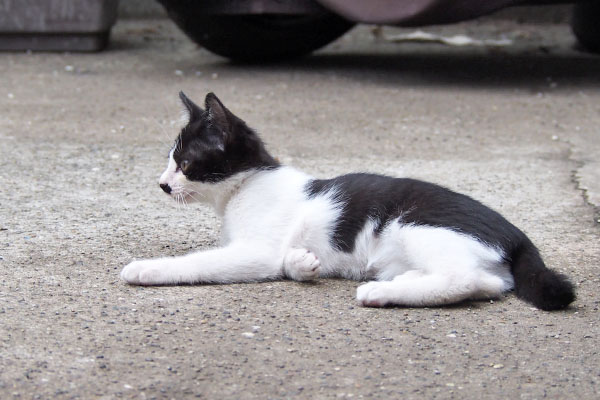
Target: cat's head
x=212, y=147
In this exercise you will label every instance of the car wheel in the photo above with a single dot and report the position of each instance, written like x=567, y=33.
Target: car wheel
x=586, y=25
x=258, y=38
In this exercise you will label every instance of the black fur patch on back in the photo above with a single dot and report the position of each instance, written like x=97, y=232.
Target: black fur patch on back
x=383, y=199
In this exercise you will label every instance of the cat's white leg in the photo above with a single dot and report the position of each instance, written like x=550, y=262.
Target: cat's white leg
x=431, y=266
x=301, y=265
x=234, y=263
x=415, y=288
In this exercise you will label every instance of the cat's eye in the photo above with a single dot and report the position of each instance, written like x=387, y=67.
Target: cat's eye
x=184, y=165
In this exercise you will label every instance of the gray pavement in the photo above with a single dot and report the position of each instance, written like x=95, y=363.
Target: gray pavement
x=83, y=138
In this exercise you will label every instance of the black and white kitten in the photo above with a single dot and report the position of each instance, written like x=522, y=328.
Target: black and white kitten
x=417, y=244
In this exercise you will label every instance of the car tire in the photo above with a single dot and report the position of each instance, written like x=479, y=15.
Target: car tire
x=586, y=25
x=259, y=38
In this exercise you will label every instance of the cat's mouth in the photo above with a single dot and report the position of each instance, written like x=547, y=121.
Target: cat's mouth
x=179, y=194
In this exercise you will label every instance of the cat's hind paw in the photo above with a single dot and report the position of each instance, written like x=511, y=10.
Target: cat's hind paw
x=374, y=294
x=301, y=265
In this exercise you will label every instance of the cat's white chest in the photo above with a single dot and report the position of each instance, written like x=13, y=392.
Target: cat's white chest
x=266, y=207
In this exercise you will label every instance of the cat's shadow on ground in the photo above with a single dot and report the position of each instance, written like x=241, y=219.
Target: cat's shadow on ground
x=535, y=70
x=333, y=285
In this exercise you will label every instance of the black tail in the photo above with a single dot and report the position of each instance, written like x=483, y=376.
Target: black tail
x=537, y=284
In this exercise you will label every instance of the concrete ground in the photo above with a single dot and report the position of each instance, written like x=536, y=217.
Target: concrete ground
x=84, y=137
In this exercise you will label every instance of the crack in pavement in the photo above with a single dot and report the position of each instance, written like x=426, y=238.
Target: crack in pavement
x=585, y=184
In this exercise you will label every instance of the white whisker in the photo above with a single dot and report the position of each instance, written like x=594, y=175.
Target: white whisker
x=189, y=194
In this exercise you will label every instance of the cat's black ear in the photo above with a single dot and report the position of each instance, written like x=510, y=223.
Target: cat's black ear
x=218, y=114
x=193, y=111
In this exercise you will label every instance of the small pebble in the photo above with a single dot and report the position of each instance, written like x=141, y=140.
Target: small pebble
x=69, y=68
x=248, y=335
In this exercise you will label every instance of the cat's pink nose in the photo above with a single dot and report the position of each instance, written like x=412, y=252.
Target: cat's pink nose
x=165, y=187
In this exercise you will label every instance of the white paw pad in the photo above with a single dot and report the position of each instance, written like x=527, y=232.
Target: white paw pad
x=301, y=265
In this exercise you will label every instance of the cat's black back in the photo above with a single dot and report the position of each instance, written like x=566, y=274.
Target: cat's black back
x=383, y=199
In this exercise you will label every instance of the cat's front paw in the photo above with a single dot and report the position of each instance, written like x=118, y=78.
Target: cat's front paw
x=301, y=265
x=145, y=272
